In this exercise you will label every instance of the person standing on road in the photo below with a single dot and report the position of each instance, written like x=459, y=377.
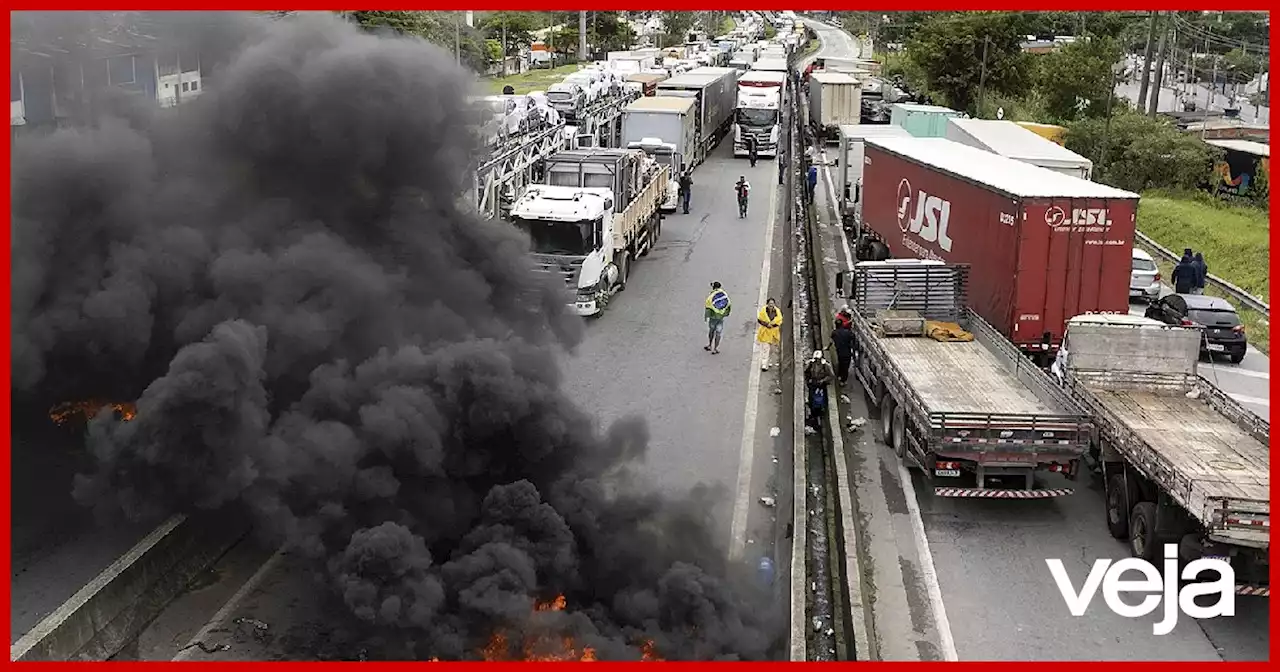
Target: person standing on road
x=782, y=164
x=743, y=190
x=842, y=338
x=844, y=318
x=717, y=309
x=1202, y=273
x=817, y=375
x=812, y=183
x=1184, y=274
x=769, y=333
x=752, y=152
x=686, y=187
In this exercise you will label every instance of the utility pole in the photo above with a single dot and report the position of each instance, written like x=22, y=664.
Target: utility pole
x=504, y=45
x=1146, y=61
x=1153, y=105
x=457, y=39
x=982, y=78
x=582, y=35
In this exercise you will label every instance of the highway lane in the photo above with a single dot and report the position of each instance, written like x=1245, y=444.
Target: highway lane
x=645, y=356
x=57, y=546
x=974, y=571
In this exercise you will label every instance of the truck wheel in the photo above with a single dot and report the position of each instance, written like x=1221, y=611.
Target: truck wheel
x=1142, y=532
x=899, y=434
x=1117, y=507
x=886, y=420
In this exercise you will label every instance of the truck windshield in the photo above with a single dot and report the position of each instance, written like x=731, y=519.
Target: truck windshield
x=757, y=118
x=552, y=237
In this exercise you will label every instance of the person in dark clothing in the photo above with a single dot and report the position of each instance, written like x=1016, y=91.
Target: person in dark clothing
x=812, y=183
x=1202, y=273
x=782, y=165
x=1184, y=274
x=817, y=375
x=686, y=188
x=752, y=153
x=508, y=90
x=842, y=338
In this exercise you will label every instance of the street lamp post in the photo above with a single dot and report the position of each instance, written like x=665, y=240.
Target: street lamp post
x=1117, y=71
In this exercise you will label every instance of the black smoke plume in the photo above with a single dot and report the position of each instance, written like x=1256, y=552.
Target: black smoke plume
x=281, y=274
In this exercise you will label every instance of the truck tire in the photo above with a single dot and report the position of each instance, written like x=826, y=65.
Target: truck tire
x=886, y=420
x=1142, y=532
x=1117, y=507
x=898, y=435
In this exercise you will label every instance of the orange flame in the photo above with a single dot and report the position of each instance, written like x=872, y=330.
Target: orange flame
x=86, y=410
x=549, y=648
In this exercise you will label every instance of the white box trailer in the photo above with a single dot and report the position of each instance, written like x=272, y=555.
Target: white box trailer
x=667, y=118
x=835, y=99
x=771, y=64
x=716, y=93
x=1011, y=140
x=850, y=161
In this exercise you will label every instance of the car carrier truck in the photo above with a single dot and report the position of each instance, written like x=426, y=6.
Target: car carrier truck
x=1182, y=462
x=597, y=213
x=954, y=397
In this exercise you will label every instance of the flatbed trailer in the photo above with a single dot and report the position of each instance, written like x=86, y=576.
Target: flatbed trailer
x=975, y=413
x=1181, y=461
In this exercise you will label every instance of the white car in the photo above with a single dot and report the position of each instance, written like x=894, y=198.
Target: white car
x=567, y=98
x=1144, y=278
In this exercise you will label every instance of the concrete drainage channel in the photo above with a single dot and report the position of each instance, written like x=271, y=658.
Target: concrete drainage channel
x=828, y=617
x=111, y=610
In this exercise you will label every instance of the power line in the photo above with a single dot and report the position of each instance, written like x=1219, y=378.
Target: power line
x=1220, y=40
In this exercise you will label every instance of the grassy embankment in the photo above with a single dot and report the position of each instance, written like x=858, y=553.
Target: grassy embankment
x=534, y=80
x=727, y=24
x=1235, y=241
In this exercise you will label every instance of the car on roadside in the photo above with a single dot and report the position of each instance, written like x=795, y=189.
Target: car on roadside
x=1223, y=332
x=1144, y=278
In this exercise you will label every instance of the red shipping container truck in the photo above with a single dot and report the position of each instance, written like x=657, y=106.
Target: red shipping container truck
x=1043, y=247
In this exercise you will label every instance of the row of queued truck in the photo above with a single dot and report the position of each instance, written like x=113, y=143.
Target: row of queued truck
x=983, y=258
x=597, y=210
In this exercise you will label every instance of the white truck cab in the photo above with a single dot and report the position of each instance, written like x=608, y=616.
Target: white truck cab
x=571, y=231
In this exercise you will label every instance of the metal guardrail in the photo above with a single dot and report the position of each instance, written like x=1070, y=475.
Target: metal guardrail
x=1231, y=290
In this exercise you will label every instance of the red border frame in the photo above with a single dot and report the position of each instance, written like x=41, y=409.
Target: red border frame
x=1095, y=5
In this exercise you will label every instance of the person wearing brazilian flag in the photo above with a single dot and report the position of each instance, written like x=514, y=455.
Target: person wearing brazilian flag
x=718, y=307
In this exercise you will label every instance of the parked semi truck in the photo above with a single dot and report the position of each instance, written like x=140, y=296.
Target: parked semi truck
x=597, y=214
x=1007, y=138
x=849, y=159
x=714, y=91
x=834, y=99
x=664, y=128
x=1044, y=246
x=759, y=115
x=954, y=397
x=1182, y=462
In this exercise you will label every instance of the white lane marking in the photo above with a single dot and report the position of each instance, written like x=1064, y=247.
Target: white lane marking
x=928, y=574
x=220, y=618
x=1244, y=399
x=1230, y=371
x=746, y=452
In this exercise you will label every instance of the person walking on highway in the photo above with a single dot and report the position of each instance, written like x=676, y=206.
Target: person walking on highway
x=769, y=333
x=844, y=318
x=1184, y=274
x=743, y=190
x=842, y=339
x=812, y=183
x=782, y=164
x=752, y=152
x=686, y=187
x=1202, y=273
x=817, y=375
x=718, y=307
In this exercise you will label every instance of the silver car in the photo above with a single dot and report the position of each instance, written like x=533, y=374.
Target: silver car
x=1144, y=278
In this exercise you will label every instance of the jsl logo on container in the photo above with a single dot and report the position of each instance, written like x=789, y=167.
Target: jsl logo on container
x=932, y=214
x=1109, y=575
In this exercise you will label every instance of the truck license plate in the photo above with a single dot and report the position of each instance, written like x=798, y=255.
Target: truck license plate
x=1217, y=347
x=947, y=473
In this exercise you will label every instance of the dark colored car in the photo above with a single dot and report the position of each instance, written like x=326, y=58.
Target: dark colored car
x=1223, y=332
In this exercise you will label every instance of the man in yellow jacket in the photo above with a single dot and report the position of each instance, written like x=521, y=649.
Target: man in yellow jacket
x=769, y=333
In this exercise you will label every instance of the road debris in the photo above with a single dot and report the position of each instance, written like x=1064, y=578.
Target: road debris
x=768, y=501
x=775, y=432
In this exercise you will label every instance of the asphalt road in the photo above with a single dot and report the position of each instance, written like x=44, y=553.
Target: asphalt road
x=973, y=572
x=1171, y=100
x=643, y=356
x=57, y=546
